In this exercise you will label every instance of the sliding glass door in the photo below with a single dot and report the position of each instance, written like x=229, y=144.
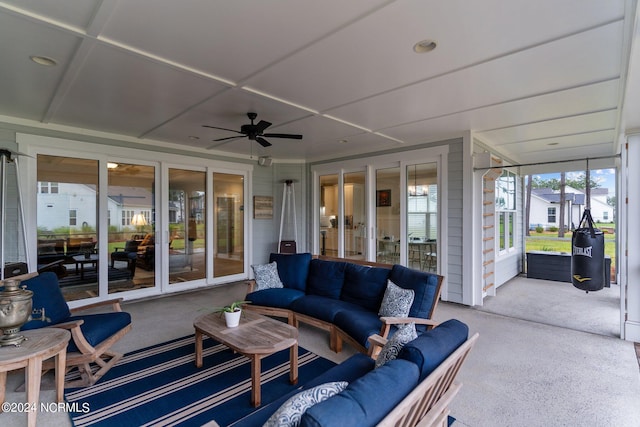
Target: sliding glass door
x=228, y=218
x=67, y=208
x=187, y=225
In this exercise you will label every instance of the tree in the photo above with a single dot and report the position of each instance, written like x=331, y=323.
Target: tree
x=563, y=198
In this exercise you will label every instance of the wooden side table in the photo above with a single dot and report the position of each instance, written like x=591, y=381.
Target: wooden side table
x=41, y=344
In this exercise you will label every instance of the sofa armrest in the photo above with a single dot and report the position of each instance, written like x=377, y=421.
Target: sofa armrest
x=251, y=286
x=388, y=321
x=376, y=342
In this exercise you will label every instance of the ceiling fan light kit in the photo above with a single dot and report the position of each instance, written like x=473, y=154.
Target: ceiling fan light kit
x=255, y=132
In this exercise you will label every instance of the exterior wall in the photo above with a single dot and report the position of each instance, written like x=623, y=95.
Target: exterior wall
x=455, y=216
x=629, y=235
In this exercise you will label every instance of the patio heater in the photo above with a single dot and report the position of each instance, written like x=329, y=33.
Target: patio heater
x=15, y=267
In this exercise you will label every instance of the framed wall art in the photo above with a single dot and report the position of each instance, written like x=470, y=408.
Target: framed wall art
x=262, y=207
x=383, y=198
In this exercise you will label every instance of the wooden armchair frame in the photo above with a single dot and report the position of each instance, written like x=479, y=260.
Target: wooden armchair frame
x=428, y=404
x=101, y=355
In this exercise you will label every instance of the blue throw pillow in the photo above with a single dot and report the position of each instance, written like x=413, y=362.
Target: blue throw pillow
x=425, y=286
x=431, y=348
x=47, y=295
x=326, y=278
x=292, y=269
x=364, y=286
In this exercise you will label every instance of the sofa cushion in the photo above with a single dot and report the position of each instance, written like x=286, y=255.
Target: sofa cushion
x=98, y=327
x=424, y=285
x=289, y=414
x=367, y=400
x=434, y=346
x=404, y=334
x=274, y=297
x=47, y=295
x=326, y=278
x=293, y=269
x=322, y=308
x=364, y=285
x=266, y=276
x=358, y=324
x=396, y=301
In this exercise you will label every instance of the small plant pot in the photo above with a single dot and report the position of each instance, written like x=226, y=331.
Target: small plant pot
x=232, y=319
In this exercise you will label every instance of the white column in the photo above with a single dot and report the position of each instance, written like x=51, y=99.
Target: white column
x=629, y=226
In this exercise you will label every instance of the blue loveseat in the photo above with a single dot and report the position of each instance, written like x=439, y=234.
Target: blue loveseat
x=416, y=387
x=344, y=296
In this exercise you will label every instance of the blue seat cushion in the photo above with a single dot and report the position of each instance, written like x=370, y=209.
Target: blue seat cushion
x=358, y=324
x=365, y=285
x=326, y=278
x=424, y=284
x=292, y=269
x=367, y=400
x=47, y=295
x=432, y=347
x=322, y=308
x=98, y=327
x=275, y=297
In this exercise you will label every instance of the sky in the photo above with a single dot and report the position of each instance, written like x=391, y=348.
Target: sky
x=606, y=177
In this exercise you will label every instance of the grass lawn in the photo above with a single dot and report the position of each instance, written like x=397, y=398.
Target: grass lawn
x=550, y=242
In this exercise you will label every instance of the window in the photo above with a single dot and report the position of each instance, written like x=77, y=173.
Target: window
x=605, y=216
x=126, y=217
x=73, y=217
x=551, y=215
x=505, y=209
x=45, y=187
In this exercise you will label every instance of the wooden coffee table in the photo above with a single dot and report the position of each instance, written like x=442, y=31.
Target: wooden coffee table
x=256, y=337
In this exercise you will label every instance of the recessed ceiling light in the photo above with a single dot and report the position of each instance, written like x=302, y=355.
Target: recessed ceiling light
x=424, y=46
x=43, y=60
x=553, y=143
x=193, y=137
x=343, y=141
x=111, y=165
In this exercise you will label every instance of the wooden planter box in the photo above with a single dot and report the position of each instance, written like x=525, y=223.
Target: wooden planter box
x=557, y=266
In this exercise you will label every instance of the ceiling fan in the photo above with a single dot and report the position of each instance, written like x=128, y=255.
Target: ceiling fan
x=255, y=132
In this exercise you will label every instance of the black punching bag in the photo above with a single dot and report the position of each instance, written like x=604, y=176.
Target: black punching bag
x=587, y=256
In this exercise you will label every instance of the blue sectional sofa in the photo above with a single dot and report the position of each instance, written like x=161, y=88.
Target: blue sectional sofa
x=344, y=296
x=416, y=387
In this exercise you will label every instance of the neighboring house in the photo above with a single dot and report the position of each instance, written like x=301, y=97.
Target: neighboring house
x=545, y=207
x=74, y=205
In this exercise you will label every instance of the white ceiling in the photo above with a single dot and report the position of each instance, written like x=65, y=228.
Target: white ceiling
x=539, y=80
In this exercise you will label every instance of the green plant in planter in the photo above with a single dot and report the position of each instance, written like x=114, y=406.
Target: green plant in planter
x=234, y=306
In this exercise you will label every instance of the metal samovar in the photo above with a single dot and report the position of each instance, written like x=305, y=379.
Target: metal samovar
x=15, y=311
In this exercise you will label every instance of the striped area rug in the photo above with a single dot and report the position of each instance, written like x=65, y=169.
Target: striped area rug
x=160, y=386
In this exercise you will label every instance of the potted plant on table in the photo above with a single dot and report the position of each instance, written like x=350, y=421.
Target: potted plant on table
x=232, y=312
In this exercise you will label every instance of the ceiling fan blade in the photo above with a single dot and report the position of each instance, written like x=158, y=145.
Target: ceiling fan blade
x=263, y=141
x=229, y=137
x=262, y=125
x=216, y=127
x=282, y=135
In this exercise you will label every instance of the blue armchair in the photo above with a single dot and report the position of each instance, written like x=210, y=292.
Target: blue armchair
x=92, y=335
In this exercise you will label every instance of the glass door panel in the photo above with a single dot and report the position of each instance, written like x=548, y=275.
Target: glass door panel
x=228, y=191
x=354, y=216
x=187, y=225
x=67, y=208
x=131, y=216
x=422, y=216
x=388, y=215
x=329, y=215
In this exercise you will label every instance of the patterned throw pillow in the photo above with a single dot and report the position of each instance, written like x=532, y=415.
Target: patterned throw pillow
x=267, y=276
x=396, y=301
x=291, y=411
x=390, y=350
